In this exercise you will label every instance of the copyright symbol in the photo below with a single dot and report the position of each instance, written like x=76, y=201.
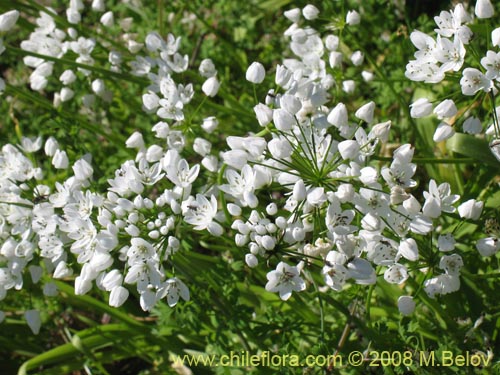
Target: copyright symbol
x=356, y=358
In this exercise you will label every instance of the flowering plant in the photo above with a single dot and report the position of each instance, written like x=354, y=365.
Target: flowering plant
x=140, y=192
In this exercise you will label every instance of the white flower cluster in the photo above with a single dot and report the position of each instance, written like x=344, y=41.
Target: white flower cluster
x=305, y=192
x=446, y=53
x=331, y=207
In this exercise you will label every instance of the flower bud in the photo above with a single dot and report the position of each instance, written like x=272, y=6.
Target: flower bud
x=33, y=319
x=332, y=42
x=255, y=73
x=446, y=108
x=207, y=68
x=310, y=12
x=283, y=76
x=443, y=132
x=472, y=126
x=338, y=116
x=98, y=5
x=135, y=141
x=406, y=305
x=365, y=112
x=107, y=19
x=51, y=146
x=471, y=209
x=209, y=124
x=357, y=58
x=381, y=131
x=67, y=77
x=8, y=20
x=251, y=260
x=263, y=113
x=484, y=9
x=66, y=94
x=283, y=120
x=210, y=86
x=292, y=14
x=348, y=149
x=335, y=59
x=60, y=160
x=352, y=18
x=495, y=37
x=118, y=296
x=420, y=108
x=299, y=191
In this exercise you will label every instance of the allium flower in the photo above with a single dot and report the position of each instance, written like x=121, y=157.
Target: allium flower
x=284, y=280
x=8, y=20
x=421, y=108
x=34, y=321
x=471, y=209
x=473, y=80
x=310, y=12
x=255, y=73
x=352, y=18
x=211, y=86
x=406, y=305
x=201, y=213
x=484, y=9
x=173, y=289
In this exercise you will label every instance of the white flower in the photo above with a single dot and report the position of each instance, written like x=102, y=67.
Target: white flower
x=446, y=242
x=173, y=288
x=451, y=264
x=442, y=284
x=396, y=274
x=251, y=260
x=60, y=160
x=446, y=108
x=408, y=249
x=488, y=246
x=495, y=37
x=34, y=321
x=352, y=18
x=292, y=14
x=348, y=149
x=472, y=125
x=406, y=305
x=283, y=120
x=443, y=132
x=82, y=170
x=332, y=42
x=211, y=86
x=310, y=12
x=421, y=108
x=365, y=112
x=107, y=19
x=209, y=124
x=207, y=68
x=357, y=58
x=263, y=113
x=492, y=64
x=255, y=73
x=484, y=9
x=471, y=209
x=348, y=86
x=473, y=80
x=201, y=213
x=118, y=296
x=8, y=20
x=284, y=280
x=338, y=116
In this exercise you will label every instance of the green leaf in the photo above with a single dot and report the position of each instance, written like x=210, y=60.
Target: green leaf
x=475, y=148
